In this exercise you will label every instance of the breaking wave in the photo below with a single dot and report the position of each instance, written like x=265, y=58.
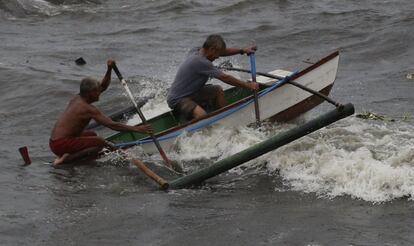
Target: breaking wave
x=366, y=156
x=360, y=158
x=373, y=162
x=25, y=8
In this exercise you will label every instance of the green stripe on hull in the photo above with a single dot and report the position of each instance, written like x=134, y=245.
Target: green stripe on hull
x=169, y=119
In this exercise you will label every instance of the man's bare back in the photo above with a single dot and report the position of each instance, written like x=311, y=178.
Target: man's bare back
x=74, y=119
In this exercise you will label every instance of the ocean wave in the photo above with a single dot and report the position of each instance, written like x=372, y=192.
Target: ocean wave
x=363, y=159
x=124, y=31
x=26, y=8
x=172, y=6
x=351, y=12
x=235, y=6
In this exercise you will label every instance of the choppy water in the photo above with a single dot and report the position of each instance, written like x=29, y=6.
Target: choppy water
x=343, y=185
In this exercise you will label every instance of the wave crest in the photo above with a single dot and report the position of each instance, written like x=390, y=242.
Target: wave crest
x=26, y=8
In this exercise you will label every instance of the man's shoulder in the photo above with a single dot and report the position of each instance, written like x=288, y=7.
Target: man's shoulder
x=92, y=108
x=82, y=106
x=197, y=60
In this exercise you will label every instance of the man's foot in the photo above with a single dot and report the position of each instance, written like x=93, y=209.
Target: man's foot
x=60, y=160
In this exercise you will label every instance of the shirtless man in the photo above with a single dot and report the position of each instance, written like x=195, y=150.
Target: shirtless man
x=189, y=95
x=69, y=140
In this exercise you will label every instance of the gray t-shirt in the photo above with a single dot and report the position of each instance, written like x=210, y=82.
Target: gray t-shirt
x=192, y=75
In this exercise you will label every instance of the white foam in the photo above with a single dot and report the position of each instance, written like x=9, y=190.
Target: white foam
x=217, y=142
x=40, y=6
x=155, y=106
x=363, y=160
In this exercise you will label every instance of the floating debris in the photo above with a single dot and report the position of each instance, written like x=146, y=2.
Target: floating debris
x=80, y=61
x=309, y=61
x=25, y=155
x=374, y=116
x=410, y=76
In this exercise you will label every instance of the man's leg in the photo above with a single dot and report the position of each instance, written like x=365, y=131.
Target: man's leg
x=210, y=97
x=67, y=158
x=198, y=112
x=220, y=100
x=194, y=107
x=82, y=147
x=189, y=109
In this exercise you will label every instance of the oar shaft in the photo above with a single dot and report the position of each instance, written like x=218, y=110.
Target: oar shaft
x=141, y=115
x=162, y=182
x=317, y=93
x=256, y=100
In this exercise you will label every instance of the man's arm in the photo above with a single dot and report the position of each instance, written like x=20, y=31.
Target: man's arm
x=107, y=78
x=239, y=51
x=108, y=122
x=228, y=79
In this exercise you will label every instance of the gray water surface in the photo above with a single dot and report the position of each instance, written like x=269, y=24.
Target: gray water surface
x=263, y=204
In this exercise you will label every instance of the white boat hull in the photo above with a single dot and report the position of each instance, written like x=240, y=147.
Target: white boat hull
x=282, y=103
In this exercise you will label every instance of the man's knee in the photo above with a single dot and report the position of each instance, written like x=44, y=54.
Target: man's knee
x=198, y=112
x=94, y=142
x=101, y=142
x=218, y=92
x=218, y=89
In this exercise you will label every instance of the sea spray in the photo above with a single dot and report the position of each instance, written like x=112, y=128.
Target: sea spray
x=373, y=162
x=358, y=157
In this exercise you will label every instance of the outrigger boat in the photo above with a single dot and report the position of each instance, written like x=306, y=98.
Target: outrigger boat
x=278, y=100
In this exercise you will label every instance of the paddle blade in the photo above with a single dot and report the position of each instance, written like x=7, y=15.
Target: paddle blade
x=253, y=66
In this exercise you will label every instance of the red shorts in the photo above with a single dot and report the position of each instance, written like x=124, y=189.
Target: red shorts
x=73, y=145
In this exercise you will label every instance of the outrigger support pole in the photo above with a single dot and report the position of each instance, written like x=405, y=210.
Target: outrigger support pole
x=263, y=147
x=317, y=93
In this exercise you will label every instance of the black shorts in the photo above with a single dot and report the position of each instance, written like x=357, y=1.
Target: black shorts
x=206, y=98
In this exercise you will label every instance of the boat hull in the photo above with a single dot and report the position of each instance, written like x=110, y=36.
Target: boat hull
x=279, y=102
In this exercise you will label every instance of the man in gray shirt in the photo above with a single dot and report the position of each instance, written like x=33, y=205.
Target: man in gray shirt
x=189, y=94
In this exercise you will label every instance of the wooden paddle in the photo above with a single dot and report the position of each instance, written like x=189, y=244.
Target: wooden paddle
x=317, y=93
x=256, y=99
x=147, y=171
x=162, y=182
x=168, y=163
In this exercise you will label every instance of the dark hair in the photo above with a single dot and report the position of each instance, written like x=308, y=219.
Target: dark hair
x=87, y=85
x=214, y=41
